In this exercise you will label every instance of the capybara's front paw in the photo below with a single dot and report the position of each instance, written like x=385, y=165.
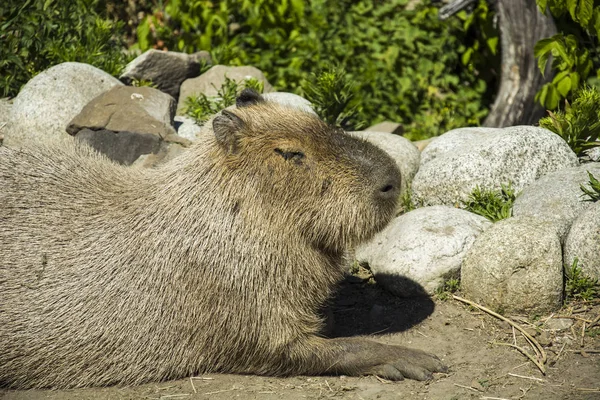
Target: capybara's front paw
x=408, y=363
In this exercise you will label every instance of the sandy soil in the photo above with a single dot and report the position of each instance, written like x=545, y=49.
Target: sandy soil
x=462, y=336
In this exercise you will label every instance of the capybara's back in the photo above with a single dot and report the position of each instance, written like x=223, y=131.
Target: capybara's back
x=216, y=261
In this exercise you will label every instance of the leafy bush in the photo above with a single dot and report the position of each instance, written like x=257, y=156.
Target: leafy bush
x=579, y=123
x=574, y=50
x=578, y=286
x=37, y=34
x=594, y=192
x=202, y=107
x=333, y=99
x=406, y=64
x=494, y=205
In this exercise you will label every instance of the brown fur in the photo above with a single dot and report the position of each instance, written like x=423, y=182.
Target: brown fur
x=216, y=261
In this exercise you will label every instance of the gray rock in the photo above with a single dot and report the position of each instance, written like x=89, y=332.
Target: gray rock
x=187, y=128
x=558, y=324
x=127, y=108
x=290, y=100
x=402, y=150
x=387, y=126
x=456, y=162
x=426, y=246
x=123, y=147
x=583, y=242
x=166, y=69
x=557, y=197
x=421, y=144
x=593, y=154
x=515, y=266
x=165, y=153
x=5, y=108
x=47, y=103
x=210, y=82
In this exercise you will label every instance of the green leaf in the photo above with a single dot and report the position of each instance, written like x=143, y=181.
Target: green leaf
x=542, y=50
x=466, y=57
x=596, y=22
x=542, y=5
x=572, y=7
x=552, y=97
x=493, y=44
x=563, y=85
x=586, y=11
x=143, y=33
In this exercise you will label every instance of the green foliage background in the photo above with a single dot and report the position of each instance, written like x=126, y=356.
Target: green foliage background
x=407, y=65
x=575, y=49
x=34, y=35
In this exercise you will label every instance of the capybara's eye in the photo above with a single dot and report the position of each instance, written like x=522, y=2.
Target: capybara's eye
x=290, y=155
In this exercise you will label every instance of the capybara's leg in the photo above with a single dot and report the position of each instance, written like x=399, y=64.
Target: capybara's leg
x=357, y=356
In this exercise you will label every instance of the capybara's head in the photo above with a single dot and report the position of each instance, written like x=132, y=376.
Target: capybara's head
x=304, y=175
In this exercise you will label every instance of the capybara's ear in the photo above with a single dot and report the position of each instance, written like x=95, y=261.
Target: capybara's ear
x=248, y=97
x=226, y=127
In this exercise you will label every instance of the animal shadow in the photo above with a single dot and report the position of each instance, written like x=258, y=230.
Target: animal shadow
x=362, y=307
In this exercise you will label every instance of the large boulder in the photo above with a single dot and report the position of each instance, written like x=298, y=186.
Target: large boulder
x=127, y=108
x=127, y=122
x=165, y=69
x=583, y=242
x=290, y=100
x=425, y=246
x=210, y=82
x=47, y=103
x=456, y=162
x=557, y=197
x=402, y=150
x=509, y=274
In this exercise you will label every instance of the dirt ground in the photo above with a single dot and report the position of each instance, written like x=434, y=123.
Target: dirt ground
x=463, y=337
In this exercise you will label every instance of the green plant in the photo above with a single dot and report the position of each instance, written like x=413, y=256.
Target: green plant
x=493, y=204
x=450, y=286
x=405, y=65
x=578, y=286
x=331, y=93
x=575, y=51
x=594, y=192
x=579, y=123
x=406, y=201
x=142, y=82
x=37, y=34
x=202, y=107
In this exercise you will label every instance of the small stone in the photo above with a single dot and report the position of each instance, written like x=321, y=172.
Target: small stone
x=544, y=339
x=558, y=324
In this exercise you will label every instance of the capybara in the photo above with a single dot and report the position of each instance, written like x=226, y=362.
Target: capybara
x=217, y=261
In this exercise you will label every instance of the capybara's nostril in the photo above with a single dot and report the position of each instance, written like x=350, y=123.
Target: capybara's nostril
x=387, y=188
x=388, y=191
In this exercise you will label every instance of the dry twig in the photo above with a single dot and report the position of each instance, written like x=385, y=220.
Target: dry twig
x=468, y=387
x=539, y=350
